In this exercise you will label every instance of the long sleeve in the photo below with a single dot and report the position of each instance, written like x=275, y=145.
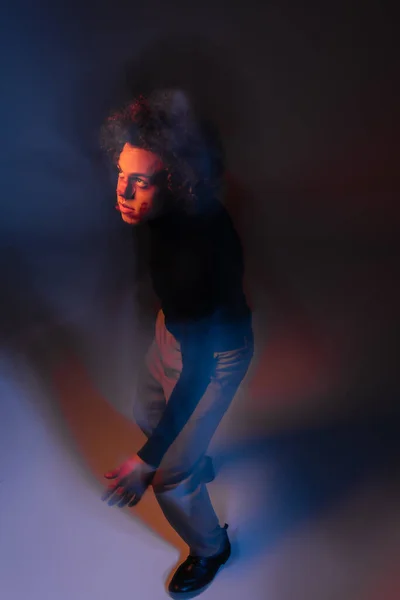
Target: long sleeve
x=196, y=265
x=197, y=368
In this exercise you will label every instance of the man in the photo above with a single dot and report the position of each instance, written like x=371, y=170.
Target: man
x=169, y=177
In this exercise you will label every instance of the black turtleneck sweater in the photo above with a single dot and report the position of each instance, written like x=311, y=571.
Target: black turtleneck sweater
x=196, y=265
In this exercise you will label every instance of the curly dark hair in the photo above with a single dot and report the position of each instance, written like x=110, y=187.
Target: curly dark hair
x=165, y=124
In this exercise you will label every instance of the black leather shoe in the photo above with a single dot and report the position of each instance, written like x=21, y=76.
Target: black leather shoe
x=197, y=572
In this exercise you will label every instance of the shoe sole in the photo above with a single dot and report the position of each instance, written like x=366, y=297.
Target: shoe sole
x=189, y=595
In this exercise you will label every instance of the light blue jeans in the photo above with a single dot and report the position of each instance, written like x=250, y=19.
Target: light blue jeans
x=178, y=484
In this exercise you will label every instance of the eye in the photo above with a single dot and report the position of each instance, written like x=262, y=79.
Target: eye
x=141, y=182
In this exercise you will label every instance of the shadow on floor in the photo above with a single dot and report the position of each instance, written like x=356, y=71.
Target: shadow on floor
x=301, y=475
x=304, y=475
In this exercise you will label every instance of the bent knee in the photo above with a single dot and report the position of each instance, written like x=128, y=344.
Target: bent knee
x=186, y=479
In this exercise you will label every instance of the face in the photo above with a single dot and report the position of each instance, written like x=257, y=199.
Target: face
x=139, y=196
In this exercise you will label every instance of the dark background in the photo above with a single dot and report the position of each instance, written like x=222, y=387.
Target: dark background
x=304, y=96
x=308, y=455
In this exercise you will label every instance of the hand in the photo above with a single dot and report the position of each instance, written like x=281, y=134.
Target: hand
x=131, y=479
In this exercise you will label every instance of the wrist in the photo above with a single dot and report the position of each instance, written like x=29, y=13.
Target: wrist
x=143, y=465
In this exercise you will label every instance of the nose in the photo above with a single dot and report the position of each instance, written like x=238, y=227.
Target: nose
x=126, y=190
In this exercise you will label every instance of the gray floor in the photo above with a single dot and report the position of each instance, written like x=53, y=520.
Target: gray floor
x=303, y=526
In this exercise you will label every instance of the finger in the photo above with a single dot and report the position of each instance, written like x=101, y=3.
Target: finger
x=107, y=494
x=134, y=501
x=112, y=489
x=111, y=474
x=113, y=494
x=116, y=496
x=125, y=499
